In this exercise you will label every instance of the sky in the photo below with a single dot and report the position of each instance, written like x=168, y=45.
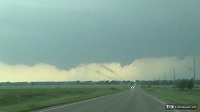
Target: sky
x=98, y=39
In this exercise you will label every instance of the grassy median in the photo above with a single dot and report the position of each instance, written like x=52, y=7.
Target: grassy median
x=169, y=95
x=27, y=98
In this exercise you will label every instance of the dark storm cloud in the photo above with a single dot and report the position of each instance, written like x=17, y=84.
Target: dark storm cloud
x=66, y=33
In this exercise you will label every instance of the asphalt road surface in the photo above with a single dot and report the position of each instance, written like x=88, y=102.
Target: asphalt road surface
x=132, y=100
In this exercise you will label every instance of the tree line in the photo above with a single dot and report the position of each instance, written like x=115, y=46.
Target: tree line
x=180, y=83
x=106, y=82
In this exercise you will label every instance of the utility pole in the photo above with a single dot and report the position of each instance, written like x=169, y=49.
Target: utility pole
x=163, y=82
x=194, y=71
x=164, y=76
x=174, y=78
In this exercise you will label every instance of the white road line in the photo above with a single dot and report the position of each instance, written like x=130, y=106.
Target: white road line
x=159, y=100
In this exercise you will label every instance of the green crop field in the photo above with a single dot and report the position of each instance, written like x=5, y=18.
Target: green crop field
x=27, y=98
x=169, y=95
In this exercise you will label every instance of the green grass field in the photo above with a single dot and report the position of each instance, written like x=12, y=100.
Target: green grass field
x=27, y=98
x=168, y=95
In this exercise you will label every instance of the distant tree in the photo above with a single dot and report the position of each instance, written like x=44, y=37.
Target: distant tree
x=191, y=84
x=182, y=84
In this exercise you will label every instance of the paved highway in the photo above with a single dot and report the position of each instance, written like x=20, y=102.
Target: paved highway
x=132, y=100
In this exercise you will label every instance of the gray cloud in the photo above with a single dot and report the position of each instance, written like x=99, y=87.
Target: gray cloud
x=66, y=33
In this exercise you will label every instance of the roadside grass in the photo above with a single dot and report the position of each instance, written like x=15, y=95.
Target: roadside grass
x=168, y=95
x=29, y=98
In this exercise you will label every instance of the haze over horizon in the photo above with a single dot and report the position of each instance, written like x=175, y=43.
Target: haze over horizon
x=98, y=39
